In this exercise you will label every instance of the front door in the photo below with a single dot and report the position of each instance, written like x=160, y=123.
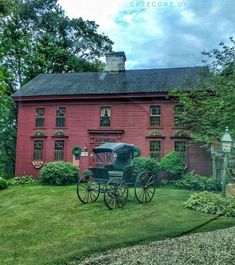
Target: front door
x=99, y=140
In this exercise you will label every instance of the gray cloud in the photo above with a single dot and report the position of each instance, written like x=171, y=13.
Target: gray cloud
x=172, y=36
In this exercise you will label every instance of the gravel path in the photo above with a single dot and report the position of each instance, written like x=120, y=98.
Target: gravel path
x=209, y=248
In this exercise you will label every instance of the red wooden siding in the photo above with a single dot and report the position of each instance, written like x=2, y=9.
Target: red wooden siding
x=131, y=116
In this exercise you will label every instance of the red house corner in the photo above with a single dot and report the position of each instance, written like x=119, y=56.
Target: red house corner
x=60, y=111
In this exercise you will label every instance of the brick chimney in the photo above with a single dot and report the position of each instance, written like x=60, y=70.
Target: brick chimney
x=115, y=62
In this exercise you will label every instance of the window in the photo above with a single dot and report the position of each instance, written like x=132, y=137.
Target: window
x=40, y=115
x=38, y=150
x=59, y=150
x=155, y=115
x=60, y=117
x=178, y=110
x=155, y=150
x=181, y=148
x=105, y=114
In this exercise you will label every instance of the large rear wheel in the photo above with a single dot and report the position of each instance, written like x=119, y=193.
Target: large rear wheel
x=88, y=190
x=145, y=186
x=116, y=193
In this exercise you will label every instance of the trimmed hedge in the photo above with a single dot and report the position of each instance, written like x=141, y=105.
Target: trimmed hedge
x=207, y=202
x=173, y=164
x=3, y=183
x=59, y=173
x=144, y=163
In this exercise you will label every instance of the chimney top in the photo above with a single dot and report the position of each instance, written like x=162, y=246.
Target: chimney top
x=115, y=61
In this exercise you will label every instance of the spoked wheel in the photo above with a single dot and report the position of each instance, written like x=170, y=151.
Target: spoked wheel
x=145, y=186
x=88, y=190
x=116, y=193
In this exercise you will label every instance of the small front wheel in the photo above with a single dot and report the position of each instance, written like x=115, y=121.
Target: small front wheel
x=116, y=193
x=88, y=190
x=145, y=186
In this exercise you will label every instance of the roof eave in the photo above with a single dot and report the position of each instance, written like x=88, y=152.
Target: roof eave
x=89, y=97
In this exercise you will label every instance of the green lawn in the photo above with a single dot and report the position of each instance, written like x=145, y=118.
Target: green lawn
x=48, y=225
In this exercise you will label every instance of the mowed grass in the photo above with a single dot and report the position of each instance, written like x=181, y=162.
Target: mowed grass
x=48, y=225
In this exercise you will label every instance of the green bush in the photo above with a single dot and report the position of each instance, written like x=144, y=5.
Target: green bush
x=207, y=202
x=173, y=164
x=59, y=173
x=144, y=163
x=192, y=181
x=3, y=183
x=87, y=173
x=137, y=151
x=20, y=180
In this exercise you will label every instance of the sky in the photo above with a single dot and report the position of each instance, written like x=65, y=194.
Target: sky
x=159, y=34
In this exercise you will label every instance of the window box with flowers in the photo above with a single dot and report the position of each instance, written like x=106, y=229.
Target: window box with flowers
x=59, y=134
x=155, y=134
x=39, y=134
x=181, y=134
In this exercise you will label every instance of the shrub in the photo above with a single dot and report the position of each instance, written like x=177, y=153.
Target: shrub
x=173, y=164
x=87, y=173
x=3, y=183
x=59, y=173
x=137, y=151
x=143, y=163
x=207, y=202
x=20, y=180
x=192, y=181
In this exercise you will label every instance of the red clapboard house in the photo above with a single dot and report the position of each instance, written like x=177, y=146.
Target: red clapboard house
x=60, y=111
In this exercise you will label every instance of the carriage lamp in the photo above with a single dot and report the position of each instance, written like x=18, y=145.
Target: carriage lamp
x=226, y=146
x=226, y=142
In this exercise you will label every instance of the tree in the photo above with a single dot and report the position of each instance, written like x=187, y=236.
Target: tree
x=7, y=131
x=36, y=37
x=209, y=107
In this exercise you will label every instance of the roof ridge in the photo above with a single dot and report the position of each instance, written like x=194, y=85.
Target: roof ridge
x=128, y=70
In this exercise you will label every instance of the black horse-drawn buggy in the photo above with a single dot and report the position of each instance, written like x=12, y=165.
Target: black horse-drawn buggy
x=113, y=175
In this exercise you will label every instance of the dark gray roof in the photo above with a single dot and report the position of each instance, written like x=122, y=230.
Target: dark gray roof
x=130, y=81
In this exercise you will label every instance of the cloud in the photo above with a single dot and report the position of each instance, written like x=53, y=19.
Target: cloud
x=158, y=34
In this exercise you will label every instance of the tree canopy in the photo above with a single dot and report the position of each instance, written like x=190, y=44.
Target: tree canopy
x=36, y=37
x=210, y=107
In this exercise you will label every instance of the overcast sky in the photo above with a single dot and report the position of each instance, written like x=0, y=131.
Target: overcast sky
x=159, y=34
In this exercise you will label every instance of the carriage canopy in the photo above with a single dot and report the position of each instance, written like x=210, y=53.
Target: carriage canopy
x=114, y=147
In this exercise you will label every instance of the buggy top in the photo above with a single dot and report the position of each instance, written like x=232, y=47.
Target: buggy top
x=114, y=147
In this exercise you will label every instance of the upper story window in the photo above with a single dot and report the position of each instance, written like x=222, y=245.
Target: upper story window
x=60, y=116
x=178, y=122
x=155, y=115
x=59, y=150
x=155, y=150
x=181, y=148
x=40, y=117
x=38, y=150
x=105, y=116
